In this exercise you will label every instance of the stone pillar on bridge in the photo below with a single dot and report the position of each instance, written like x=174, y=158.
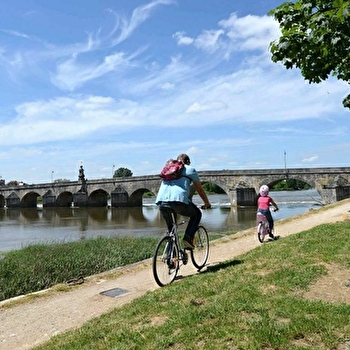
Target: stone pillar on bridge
x=245, y=197
x=49, y=200
x=119, y=198
x=333, y=194
x=80, y=199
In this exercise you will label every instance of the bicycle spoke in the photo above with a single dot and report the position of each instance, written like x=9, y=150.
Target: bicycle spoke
x=165, y=261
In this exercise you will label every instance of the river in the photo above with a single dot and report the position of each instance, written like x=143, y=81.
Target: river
x=21, y=227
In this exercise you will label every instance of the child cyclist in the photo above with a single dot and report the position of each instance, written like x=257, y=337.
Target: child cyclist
x=264, y=202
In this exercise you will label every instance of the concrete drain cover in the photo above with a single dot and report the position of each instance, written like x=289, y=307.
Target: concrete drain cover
x=115, y=292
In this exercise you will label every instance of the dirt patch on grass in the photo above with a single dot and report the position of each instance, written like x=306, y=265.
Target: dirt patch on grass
x=333, y=287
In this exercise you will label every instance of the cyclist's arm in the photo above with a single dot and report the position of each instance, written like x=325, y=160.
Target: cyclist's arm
x=274, y=204
x=198, y=186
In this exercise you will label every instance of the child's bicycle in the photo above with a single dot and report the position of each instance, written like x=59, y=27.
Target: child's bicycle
x=170, y=254
x=263, y=228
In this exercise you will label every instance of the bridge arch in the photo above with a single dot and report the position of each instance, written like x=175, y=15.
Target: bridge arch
x=65, y=199
x=135, y=199
x=29, y=200
x=272, y=181
x=2, y=201
x=98, y=198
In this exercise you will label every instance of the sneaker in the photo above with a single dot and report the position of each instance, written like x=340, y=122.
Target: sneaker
x=187, y=243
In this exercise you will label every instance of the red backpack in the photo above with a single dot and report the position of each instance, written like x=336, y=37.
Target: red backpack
x=172, y=170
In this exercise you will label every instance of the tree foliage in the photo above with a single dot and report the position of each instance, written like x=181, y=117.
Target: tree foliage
x=13, y=183
x=61, y=180
x=122, y=172
x=315, y=38
x=212, y=188
x=291, y=185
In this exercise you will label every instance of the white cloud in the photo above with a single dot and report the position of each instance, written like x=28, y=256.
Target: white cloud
x=310, y=159
x=251, y=32
x=182, y=38
x=247, y=96
x=167, y=86
x=70, y=74
x=16, y=33
x=235, y=34
x=139, y=15
x=67, y=118
x=206, y=106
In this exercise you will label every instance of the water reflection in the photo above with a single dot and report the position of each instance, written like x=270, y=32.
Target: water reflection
x=219, y=218
x=23, y=226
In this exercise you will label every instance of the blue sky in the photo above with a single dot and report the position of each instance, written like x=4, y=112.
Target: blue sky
x=130, y=83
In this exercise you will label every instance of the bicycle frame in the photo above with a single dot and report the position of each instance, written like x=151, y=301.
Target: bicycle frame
x=174, y=231
x=260, y=217
x=170, y=252
x=263, y=227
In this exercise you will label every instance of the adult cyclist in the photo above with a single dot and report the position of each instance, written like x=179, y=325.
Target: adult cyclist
x=176, y=195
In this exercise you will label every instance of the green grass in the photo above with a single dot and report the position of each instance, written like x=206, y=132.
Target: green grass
x=252, y=302
x=38, y=267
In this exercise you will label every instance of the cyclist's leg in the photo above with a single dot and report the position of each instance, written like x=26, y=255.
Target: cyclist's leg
x=167, y=214
x=270, y=221
x=271, y=225
x=190, y=210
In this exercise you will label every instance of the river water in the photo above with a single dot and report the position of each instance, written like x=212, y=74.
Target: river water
x=21, y=227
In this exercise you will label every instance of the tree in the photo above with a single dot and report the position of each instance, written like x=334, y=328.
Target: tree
x=315, y=38
x=61, y=180
x=212, y=188
x=122, y=172
x=13, y=183
x=291, y=185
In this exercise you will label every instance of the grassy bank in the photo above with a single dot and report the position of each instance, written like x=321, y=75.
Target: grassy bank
x=255, y=301
x=38, y=267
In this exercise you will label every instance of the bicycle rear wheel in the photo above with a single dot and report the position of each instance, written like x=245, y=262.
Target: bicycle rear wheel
x=165, y=264
x=261, y=231
x=199, y=255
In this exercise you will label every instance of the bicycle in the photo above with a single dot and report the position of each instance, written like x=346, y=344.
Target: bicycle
x=263, y=228
x=170, y=253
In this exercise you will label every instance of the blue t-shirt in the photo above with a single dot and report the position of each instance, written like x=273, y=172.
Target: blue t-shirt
x=178, y=190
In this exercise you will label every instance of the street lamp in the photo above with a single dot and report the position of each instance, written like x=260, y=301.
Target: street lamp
x=113, y=170
x=52, y=175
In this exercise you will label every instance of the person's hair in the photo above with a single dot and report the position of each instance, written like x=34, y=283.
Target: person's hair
x=184, y=158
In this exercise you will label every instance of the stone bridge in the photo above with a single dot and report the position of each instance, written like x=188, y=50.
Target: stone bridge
x=241, y=186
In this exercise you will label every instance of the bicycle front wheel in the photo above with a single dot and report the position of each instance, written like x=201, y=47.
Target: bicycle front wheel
x=165, y=264
x=261, y=232
x=200, y=253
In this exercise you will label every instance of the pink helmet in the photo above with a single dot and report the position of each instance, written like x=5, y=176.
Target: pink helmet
x=264, y=190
